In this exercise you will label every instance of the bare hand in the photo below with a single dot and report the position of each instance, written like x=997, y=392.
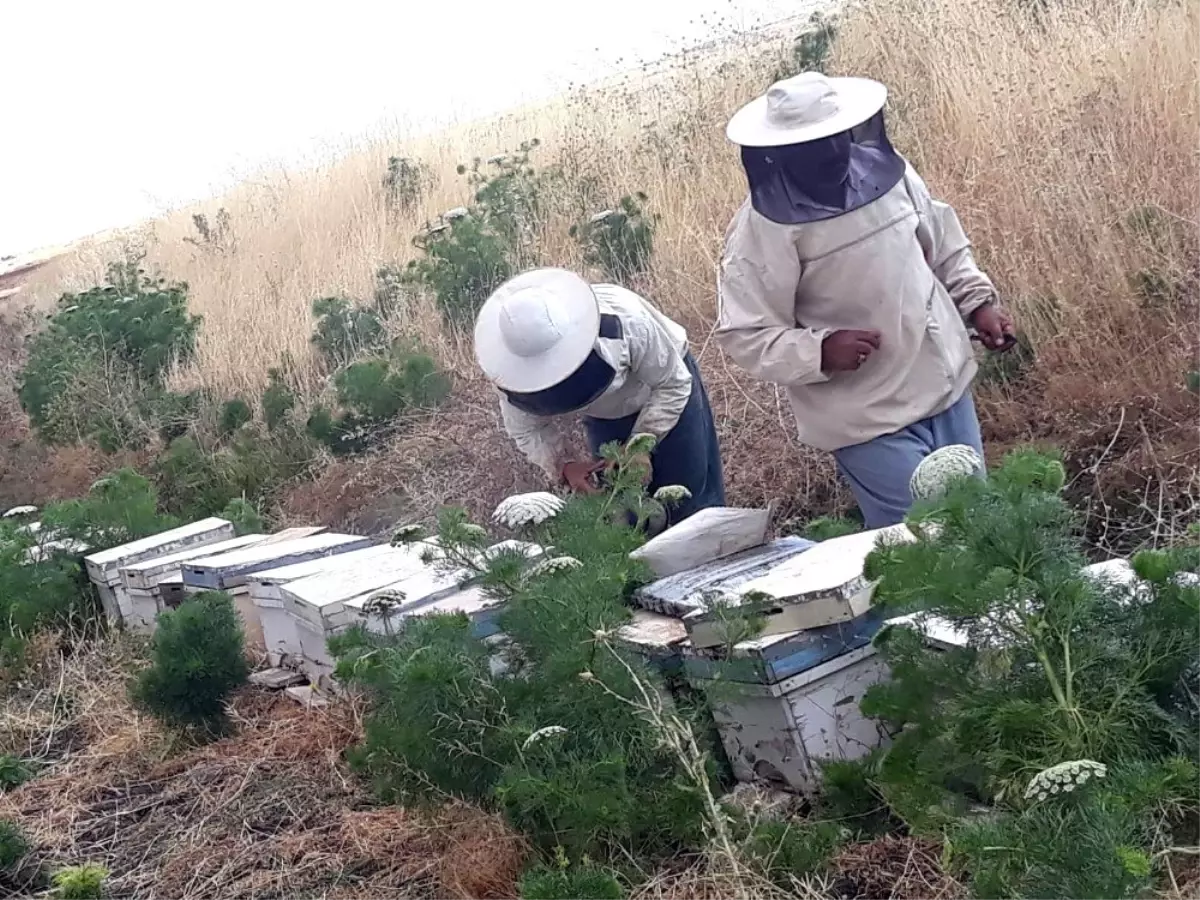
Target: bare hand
x=845, y=351
x=994, y=327
x=578, y=476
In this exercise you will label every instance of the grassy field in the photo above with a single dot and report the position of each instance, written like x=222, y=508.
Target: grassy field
x=1065, y=138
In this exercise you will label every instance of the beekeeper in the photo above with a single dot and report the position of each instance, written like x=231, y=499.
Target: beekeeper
x=553, y=344
x=845, y=282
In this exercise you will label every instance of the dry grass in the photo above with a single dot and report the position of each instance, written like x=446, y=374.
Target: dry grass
x=269, y=812
x=1051, y=134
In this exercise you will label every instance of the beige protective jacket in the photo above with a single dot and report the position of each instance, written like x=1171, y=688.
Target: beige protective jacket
x=652, y=380
x=901, y=265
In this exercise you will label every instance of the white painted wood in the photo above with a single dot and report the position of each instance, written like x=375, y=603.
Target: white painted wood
x=103, y=567
x=150, y=572
x=233, y=568
x=266, y=585
x=327, y=592
x=652, y=631
x=710, y=534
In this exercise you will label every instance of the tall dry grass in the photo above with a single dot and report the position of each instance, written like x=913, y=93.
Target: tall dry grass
x=1054, y=131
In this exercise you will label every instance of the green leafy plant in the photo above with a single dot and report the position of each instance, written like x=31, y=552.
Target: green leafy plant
x=374, y=395
x=245, y=517
x=620, y=241
x=234, y=414
x=811, y=50
x=14, y=845
x=562, y=881
x=14, y=772
x=550, y=738
x=345, y=332
x=84, y=882
x=118, y=508
x=471, y=250
x=99, y=354
x=784, y=850
x=278, y=400
x=824, y=528
x=404, y=183
x=197, y=662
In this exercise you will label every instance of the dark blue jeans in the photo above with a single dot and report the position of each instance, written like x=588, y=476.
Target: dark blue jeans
x=689, y=455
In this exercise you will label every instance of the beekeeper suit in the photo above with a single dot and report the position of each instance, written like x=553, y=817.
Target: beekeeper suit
x=553, y=344
x=844, y=281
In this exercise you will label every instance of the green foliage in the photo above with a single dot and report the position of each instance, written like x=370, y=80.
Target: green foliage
x=118, y=508
x=374, y=396
x=783, y=850
x=810, y=52
x=1192, y=380
x=824, y=528
x=472, y=250
x=404, y=183
x=1009, y=368
x=619, y=241
x=278, y=401
x=568, y=762
x=234, y=414
x=84, y=882
x=562, y=881
x=14, y=845
x=245, y=517
x=100, y=352
x=14, y=772
x=345, y=332
x=197, y=662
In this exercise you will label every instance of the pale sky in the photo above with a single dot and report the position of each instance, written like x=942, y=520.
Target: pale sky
x=114, y=110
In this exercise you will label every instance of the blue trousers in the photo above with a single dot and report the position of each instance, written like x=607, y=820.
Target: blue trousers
x=689, y=455
x=879, y=470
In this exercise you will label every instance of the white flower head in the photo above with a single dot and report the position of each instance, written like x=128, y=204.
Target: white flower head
x=522, y=510
x=384, y=602
x=553, y=566
x=935, y=472
x=586, y=676
x=20, y=511
x=437, y=229
x=497, y=159
x=542, y=734
x=471, y=530
x=459, y=212
x=407, y=534
x=1064, y=778
x=672, y=493
x=602, y=216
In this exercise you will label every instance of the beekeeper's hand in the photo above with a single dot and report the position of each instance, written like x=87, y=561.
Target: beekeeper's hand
x=578, y=475
x=994, y=327
x=845, y=351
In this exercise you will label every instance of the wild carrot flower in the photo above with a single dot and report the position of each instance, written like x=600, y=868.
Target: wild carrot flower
x=527, y=509
x=553, y=566
x=1064, y=778
x=935, y=472
x=541, y=733
x=672, y=493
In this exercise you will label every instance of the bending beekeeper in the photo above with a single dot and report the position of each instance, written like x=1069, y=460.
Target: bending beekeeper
x=844, y=281
x=554, y=345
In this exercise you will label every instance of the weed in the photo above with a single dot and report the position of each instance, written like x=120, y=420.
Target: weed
x=215, y=236
x=824, y=528
x=787, y=850
x=14, y=772
x=234, y=414
x=620, y=241
x=196, y=662
x=811, y=50
x=84, y=882
x=345, y=332
x=245, y=518
x=404, y=183
x=278, y=400
x=87, y=368
x=14, y=845
x=562, y=881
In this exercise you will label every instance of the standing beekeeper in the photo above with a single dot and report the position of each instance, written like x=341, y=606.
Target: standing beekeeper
x=553, y=345
x=845, y=282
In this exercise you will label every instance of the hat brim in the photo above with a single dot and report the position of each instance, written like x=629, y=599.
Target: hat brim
x=527, y=374
x=861, y=98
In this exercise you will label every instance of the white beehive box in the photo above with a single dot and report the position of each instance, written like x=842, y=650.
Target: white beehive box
x=823, y=586
x=780, y=734
x=265, y=590
x=230, y=571
x=140, y=580
x=712, y=533
x=104, y=567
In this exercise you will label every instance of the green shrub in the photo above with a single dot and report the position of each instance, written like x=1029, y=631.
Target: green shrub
x=472, y=250
x=245, y=517
x=811, y=50
x=404, y=183
x=374, y=395
x=14, y=772
x=118, y=508
x=88, y=369
x=278, y=400
x=785, y=850
x=619, y=241
x=569, y=763
x=234, y=414
x=84, y=882
x=824, y=528
x=562, y=881
x=14, y=845
x=197, y=662
x=345, y=332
